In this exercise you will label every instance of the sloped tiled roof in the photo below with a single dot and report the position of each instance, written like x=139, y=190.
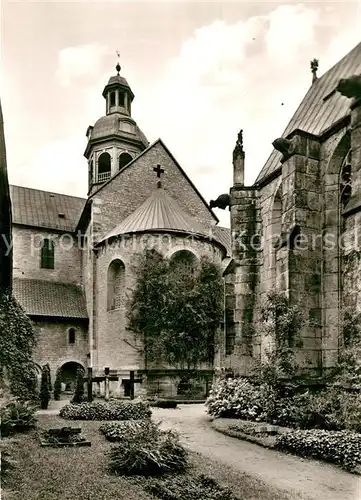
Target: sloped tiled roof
x=321, y=107
x=48, y=298
x=145, y=151
x=223, y=235
x=159, y=212
x=32, y=207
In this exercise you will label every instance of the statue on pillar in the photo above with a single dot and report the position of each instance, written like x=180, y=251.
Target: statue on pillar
x=238, y=150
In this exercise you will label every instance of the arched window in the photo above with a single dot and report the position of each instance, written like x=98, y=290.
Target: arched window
x=124, y=159
x=116, y=285
x=185, y=259
x=47, y=254
x=112, y=98
x=104, y=167
x=121, y=98
x=346, y=180
x=71, y=336
x=276, y=228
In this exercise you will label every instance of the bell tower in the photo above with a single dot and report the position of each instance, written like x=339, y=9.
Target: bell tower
x=115, y=139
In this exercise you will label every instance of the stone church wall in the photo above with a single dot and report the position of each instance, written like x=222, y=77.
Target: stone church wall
x=135, y=184
x=53, y=346
x=26, y=257
x=116, y=346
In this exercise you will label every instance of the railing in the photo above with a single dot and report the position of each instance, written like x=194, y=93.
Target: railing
x=104, y=176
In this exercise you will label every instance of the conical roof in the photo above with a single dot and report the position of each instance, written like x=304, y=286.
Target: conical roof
x=160, y=212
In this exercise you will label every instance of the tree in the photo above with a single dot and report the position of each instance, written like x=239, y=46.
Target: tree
x=177, y=311
x=57, y=386
x=78, y=396
x=45, y=388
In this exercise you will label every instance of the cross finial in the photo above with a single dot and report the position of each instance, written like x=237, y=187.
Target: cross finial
x=118, y=67
x=159, y=170
x=314, y=68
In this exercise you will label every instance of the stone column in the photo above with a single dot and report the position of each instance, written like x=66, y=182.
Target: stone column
x=245, y=227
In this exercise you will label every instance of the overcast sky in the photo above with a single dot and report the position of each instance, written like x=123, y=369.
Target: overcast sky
x=200, y=71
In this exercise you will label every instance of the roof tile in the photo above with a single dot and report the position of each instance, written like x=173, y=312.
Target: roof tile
x=49, y=298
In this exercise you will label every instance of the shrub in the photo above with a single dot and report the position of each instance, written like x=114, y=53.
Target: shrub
x=187, y=487
x=340, y=447
x=235, y=398
x=148, y=451
x=78, y=396
x=109, y=410
x=330, y=409
x=17, y=416
x=57, y=387
x=45, y=387
x=126, y=429
x=17, y=341
x=7, y=464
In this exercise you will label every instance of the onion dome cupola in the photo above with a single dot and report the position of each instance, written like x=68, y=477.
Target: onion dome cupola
x=115, y=139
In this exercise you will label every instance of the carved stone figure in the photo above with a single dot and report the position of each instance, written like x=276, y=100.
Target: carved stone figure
x=238, y=149
x=350, y=87
x=283, y=145
x=222, y=202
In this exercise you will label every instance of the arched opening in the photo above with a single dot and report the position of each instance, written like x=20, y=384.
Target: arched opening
x=116, y=285
x=67, y=374
x=112, y=98
x=121, y=98
x=276, y=229
x=47, y=254
x=124, y=159
x=184, y=259
x=104, y=167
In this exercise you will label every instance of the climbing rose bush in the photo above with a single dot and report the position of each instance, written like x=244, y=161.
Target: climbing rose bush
x=108, y=410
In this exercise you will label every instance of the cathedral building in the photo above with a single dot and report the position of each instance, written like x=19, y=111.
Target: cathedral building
x=297, y=230
x=75, y=259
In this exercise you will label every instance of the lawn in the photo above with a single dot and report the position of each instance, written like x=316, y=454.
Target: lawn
x=67, y=473
x=81, y=473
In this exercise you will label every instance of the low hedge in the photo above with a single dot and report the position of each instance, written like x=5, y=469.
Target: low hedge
x=108, y=410
x=187, y=487
x=126, y=429
x=339, y=447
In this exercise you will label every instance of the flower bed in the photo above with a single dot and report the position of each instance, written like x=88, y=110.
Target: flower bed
x=110, y=410
x=340, y=447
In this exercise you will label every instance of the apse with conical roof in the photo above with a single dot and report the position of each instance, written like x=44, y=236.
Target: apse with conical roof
x=115, y=139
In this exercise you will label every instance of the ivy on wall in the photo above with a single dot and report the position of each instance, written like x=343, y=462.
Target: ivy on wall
x=176, y=310
x=17, y=341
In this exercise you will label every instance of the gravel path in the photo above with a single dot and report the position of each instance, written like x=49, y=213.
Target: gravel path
x=306, y=479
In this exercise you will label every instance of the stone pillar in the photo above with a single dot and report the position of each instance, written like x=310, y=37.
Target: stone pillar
x=299, y=258
x=246, y=244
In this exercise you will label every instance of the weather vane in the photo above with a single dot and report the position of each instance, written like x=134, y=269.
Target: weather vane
x=118, y=67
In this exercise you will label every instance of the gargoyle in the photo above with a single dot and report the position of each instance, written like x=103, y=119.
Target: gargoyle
x=350, y=87
x=222, y=202
x=284, y=146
